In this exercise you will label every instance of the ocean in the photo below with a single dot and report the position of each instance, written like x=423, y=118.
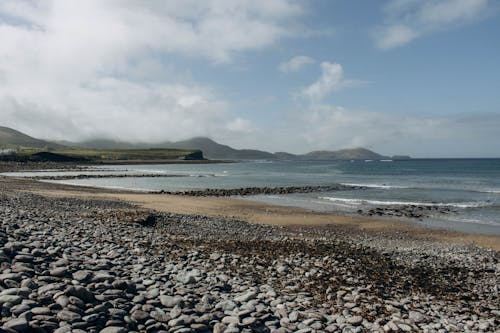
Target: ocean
x=469, y=188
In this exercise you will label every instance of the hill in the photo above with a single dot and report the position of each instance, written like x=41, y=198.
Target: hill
x=344, y=154
x=209, y=147
x=214, y=150
x=98, y=148
x=10, y=138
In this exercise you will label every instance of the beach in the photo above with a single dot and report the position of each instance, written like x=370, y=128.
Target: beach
x=106, y=260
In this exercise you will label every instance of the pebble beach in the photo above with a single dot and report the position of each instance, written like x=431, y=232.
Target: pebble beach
x=100, y=265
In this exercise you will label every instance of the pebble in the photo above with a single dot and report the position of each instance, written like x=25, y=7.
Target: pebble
x=83, y=265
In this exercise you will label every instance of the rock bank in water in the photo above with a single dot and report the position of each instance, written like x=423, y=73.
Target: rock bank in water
x=260, y=190
x=408, y=211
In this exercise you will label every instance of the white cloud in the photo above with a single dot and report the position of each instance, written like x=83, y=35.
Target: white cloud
x=331, y=80
x=100, y=68
x=295, y=64
x=395, y=35
x=240, y=125
x=410, y=19
x=330, y=127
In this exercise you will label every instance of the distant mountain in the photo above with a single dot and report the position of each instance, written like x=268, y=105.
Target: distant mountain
x=344, y=154
x=209, y=147
x=214, y=150
x=10, y=138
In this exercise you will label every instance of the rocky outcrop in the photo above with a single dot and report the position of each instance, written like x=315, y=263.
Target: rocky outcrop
x=259, y=190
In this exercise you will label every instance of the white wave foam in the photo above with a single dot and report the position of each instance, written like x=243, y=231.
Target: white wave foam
x=149, y=171
x=356, y=202
x=490, y=191
x=375, y=185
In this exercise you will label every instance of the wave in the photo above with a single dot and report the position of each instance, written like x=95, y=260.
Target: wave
x=489, y=191
x=404, y=203
x=389, y=187
x=383, y=186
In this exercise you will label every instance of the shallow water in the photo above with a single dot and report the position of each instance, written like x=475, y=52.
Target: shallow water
x=471, y=187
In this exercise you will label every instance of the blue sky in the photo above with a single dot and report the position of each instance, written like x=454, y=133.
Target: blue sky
x=417, y=77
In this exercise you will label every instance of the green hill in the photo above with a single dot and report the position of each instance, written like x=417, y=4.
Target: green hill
x=209, y=147
x=344, y=154
x=10, y=138
x=212, y=149
x=195, y=148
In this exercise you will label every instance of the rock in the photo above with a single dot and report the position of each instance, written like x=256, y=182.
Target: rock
x=81, y=292
x=405, y=327
x=17, y=324
x=355, y=320
x=230, y=320
x=185, y=278
x=12, y=299
x=171, y=301
x=153, y=293
x=59, y=271
x=248, y=321
x=113, y=329
x=219, y=328
x=416, y=317
x=293, y=316
x=41, y=311
x=68, y=316
x=226, y=305
x=62, y=300
x=139, y=315
x=245, y=297
x=82, y=276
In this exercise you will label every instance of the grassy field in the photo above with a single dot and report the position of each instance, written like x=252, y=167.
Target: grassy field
x=120, y=154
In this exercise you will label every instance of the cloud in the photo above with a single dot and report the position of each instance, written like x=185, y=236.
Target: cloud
x=331, y=127
x=295, y=64
x=76, y=70
x=407, y=20
x=331, y=80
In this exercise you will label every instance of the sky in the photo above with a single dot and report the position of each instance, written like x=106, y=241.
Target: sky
x=417, y=77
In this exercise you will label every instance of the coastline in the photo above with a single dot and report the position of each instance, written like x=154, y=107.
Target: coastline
x=104, y=260
x=258, y=212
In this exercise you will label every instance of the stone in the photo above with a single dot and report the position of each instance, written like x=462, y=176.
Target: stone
x=59, y=271
x=355, y=320
x=68, y=316
x=230, y=320
x=82, y=275
x=293, y=316
x=13, y=299
x=171, y=301
x=113, y=329
x=41, y=310
x=245, y=297
x=185, y=278
x=81, y=292
x=139, y=315
x=62, y=300
x=416, y=317
x=17, y=324
x=227, y=305
x=248, y=321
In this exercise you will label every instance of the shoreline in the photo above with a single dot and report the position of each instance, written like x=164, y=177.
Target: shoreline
x=101, y=260
x=258, y=212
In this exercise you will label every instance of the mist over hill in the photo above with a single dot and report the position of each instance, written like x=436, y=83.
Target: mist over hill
x=10, y=138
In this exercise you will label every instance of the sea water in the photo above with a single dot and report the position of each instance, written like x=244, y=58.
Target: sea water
x=471, y=187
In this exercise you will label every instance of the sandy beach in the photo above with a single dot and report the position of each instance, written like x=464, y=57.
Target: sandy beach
x=257, y=212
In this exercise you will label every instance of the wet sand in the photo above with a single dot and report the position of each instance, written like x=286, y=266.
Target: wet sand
x=261, y=213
